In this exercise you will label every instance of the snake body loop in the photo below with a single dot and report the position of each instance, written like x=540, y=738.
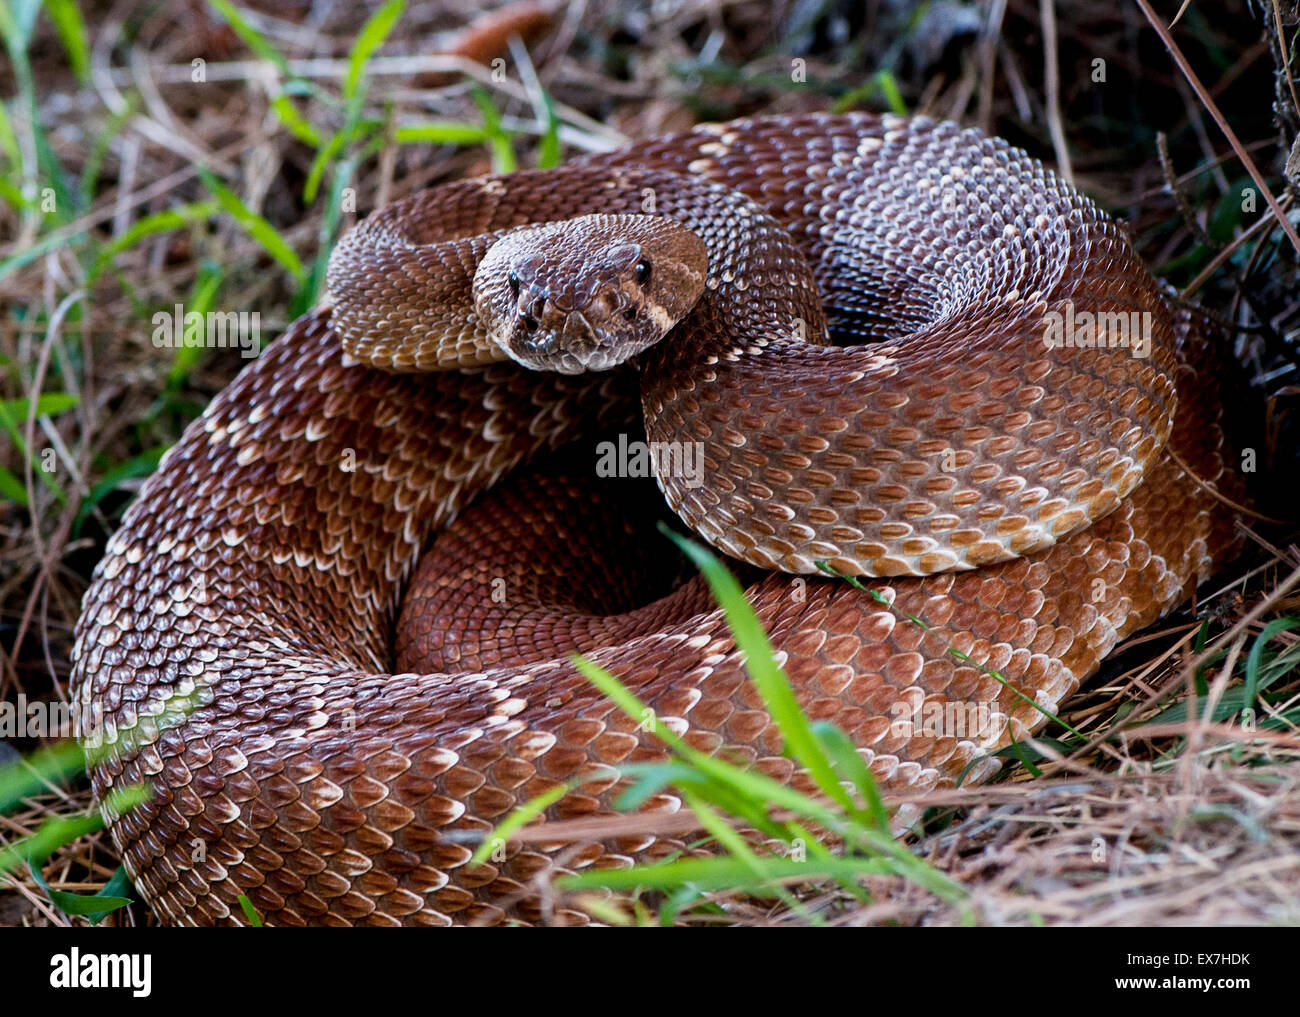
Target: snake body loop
x=858, y=314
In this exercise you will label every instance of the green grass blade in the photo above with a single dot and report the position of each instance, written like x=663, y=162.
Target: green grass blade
x=36, y=251
x=517, y=820
x=17, y=24
x=202, y=300
x=765, y=793
x=1201, y=685
x=250, y=912
x=652, y=778
x=747, y=781
x=435, y=133
x=102, y=144
x=1256, y=652
x=256, y=227
x=54, y=177
x=736, y=847
x=11, y=194
x=150, y=225
x=46, y=405
x=1020, y=752
x=49, y=837
x=853, y=768
x=93, y=906
x=13, y=418
x=36, y=772
x=55, y=833
x=12, y=488
x=138, y=466
x=118, y=887
x=371, y=37
x=889, y=89
x=503, y=154
x=324, y=156
x=250, y=36
x=548, y=153
x=723, y=873
x=72, y=32
x=294, y=121
x=760, y=660
x=309, y=293
x=9, y=142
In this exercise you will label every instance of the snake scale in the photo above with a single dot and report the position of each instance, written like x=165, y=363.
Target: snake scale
x=860, y=353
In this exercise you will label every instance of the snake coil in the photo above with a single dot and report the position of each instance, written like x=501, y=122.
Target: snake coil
x=870, y=373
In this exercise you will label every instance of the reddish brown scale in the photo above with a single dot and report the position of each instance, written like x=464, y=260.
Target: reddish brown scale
x=262, y=566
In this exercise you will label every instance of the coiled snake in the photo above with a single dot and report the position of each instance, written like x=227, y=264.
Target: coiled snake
x=261, y=569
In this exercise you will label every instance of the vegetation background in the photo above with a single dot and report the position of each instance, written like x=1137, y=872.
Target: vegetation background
x=156, y=152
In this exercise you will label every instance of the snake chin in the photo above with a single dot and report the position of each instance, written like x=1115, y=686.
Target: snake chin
x=589, y=293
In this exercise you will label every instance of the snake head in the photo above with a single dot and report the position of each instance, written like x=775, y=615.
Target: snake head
x=587, y=294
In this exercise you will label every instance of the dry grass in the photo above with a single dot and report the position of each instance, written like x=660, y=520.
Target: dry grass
x=1191, y=831
x=1219, y=849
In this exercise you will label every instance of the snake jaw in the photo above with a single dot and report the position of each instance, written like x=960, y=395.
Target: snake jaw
x=589, y=293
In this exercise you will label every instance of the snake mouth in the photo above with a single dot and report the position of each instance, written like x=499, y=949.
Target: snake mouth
x=605, y=331
x=567, y=343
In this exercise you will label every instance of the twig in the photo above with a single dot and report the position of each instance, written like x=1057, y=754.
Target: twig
x=1053, y=89
x=1212, y=491
x=1203, y=276
x=1285, y=60
x=988, y=57
x=1180, y=199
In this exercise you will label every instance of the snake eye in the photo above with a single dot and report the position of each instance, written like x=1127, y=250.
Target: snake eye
x=642, y=271
x=513, y=280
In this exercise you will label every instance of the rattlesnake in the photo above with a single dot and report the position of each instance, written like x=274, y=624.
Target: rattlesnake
x=259, y=573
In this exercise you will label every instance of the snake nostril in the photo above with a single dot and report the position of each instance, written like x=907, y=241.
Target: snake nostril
x=631, y=314
x=530, y=323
